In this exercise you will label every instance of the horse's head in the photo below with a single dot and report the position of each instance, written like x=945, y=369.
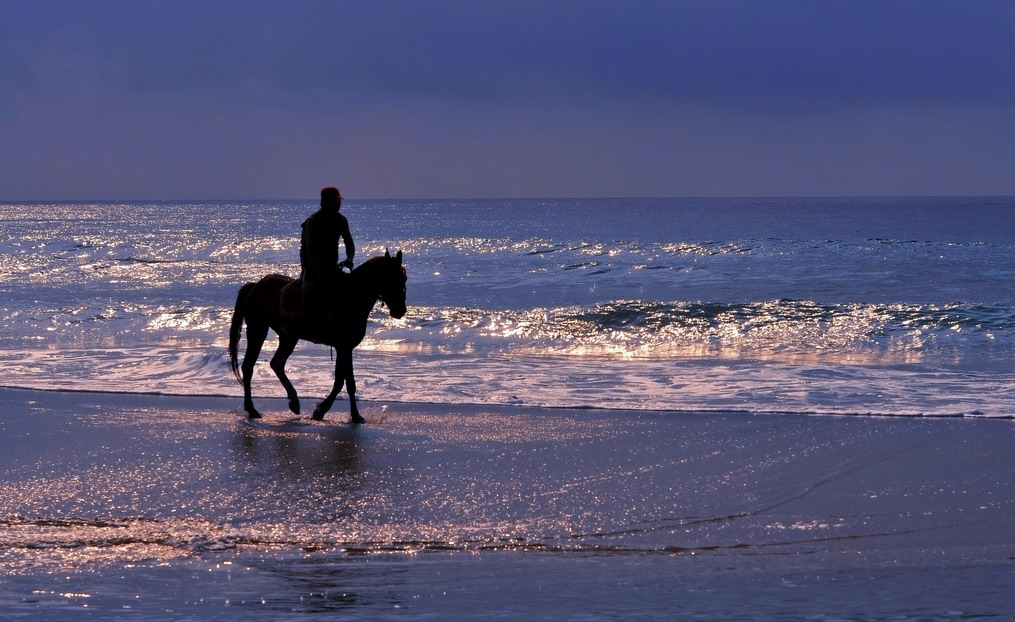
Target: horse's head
x=391, y=282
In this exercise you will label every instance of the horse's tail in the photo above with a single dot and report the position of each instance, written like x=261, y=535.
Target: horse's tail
x=236, y=327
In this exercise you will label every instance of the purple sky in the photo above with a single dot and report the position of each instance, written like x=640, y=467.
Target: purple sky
x=236, y=99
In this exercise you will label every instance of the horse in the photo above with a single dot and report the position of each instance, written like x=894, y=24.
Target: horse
x=261, y=306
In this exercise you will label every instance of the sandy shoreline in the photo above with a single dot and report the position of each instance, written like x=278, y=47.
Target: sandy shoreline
x=173, y=507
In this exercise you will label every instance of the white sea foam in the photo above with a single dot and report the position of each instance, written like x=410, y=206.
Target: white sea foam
x=385, y=372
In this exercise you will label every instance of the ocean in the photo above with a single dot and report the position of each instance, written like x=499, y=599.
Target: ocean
x=594, y=409
x=821, y=306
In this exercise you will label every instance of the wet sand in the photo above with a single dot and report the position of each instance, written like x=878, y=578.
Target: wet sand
x=147, y=507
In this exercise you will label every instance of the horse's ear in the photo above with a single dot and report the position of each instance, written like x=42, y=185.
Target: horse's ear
x=399, y=257
x=387, y=254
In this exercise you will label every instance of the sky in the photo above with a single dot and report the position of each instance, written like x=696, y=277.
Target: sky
x=259, y=99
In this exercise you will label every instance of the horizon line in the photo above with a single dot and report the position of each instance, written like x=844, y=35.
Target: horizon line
x=531, y=198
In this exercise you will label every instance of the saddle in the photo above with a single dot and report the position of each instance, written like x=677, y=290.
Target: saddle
x=290, y=297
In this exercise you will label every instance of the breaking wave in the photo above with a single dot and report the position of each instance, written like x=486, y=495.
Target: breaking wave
x=879, y=332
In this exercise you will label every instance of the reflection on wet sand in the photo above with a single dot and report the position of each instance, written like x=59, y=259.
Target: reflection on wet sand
x=302, y=451
x=163, y=504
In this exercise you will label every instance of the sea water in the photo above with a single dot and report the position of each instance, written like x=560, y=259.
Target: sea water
x=844, y=306
x=708, y=315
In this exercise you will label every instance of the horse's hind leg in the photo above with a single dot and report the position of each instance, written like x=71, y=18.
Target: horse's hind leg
x=255, y=339
x=325, y=405
x=286, y=345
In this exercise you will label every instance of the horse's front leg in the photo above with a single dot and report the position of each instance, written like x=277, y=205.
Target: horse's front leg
x=325, y=405
x=343, y=375
x=350, y=388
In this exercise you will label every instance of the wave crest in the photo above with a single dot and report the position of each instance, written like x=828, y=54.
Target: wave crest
x=681, y=329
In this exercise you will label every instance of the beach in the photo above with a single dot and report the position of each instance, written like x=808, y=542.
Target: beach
x=128, y=506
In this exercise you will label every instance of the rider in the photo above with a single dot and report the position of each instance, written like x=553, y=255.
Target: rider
x=319, y=258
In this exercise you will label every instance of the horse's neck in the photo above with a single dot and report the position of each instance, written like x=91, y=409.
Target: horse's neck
x=362, y=288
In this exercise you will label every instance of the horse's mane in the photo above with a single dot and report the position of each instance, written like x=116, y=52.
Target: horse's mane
x=377, y=259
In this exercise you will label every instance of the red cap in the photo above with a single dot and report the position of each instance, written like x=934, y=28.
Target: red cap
x=331, y=192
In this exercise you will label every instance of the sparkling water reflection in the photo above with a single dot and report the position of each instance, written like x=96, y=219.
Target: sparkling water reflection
x=97, y=295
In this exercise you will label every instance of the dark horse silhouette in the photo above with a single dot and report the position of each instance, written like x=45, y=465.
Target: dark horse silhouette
x=260, y=306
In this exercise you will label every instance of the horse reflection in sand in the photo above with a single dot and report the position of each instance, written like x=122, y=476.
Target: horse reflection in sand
x=263, y=305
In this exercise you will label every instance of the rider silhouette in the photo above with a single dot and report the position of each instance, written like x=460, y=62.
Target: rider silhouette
x=319, y=258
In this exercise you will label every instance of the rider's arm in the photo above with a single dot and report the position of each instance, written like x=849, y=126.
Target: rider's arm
x=350, y=247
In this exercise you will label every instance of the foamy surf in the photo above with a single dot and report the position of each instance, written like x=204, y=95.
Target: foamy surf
x=386, y=374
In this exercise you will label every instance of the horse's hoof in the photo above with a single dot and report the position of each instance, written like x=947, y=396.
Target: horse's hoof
x=357, y=419
x=294, y=406
x=254, y=415
x=317, y=416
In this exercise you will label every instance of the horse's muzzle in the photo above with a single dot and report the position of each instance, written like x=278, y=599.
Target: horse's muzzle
x=396, y=312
